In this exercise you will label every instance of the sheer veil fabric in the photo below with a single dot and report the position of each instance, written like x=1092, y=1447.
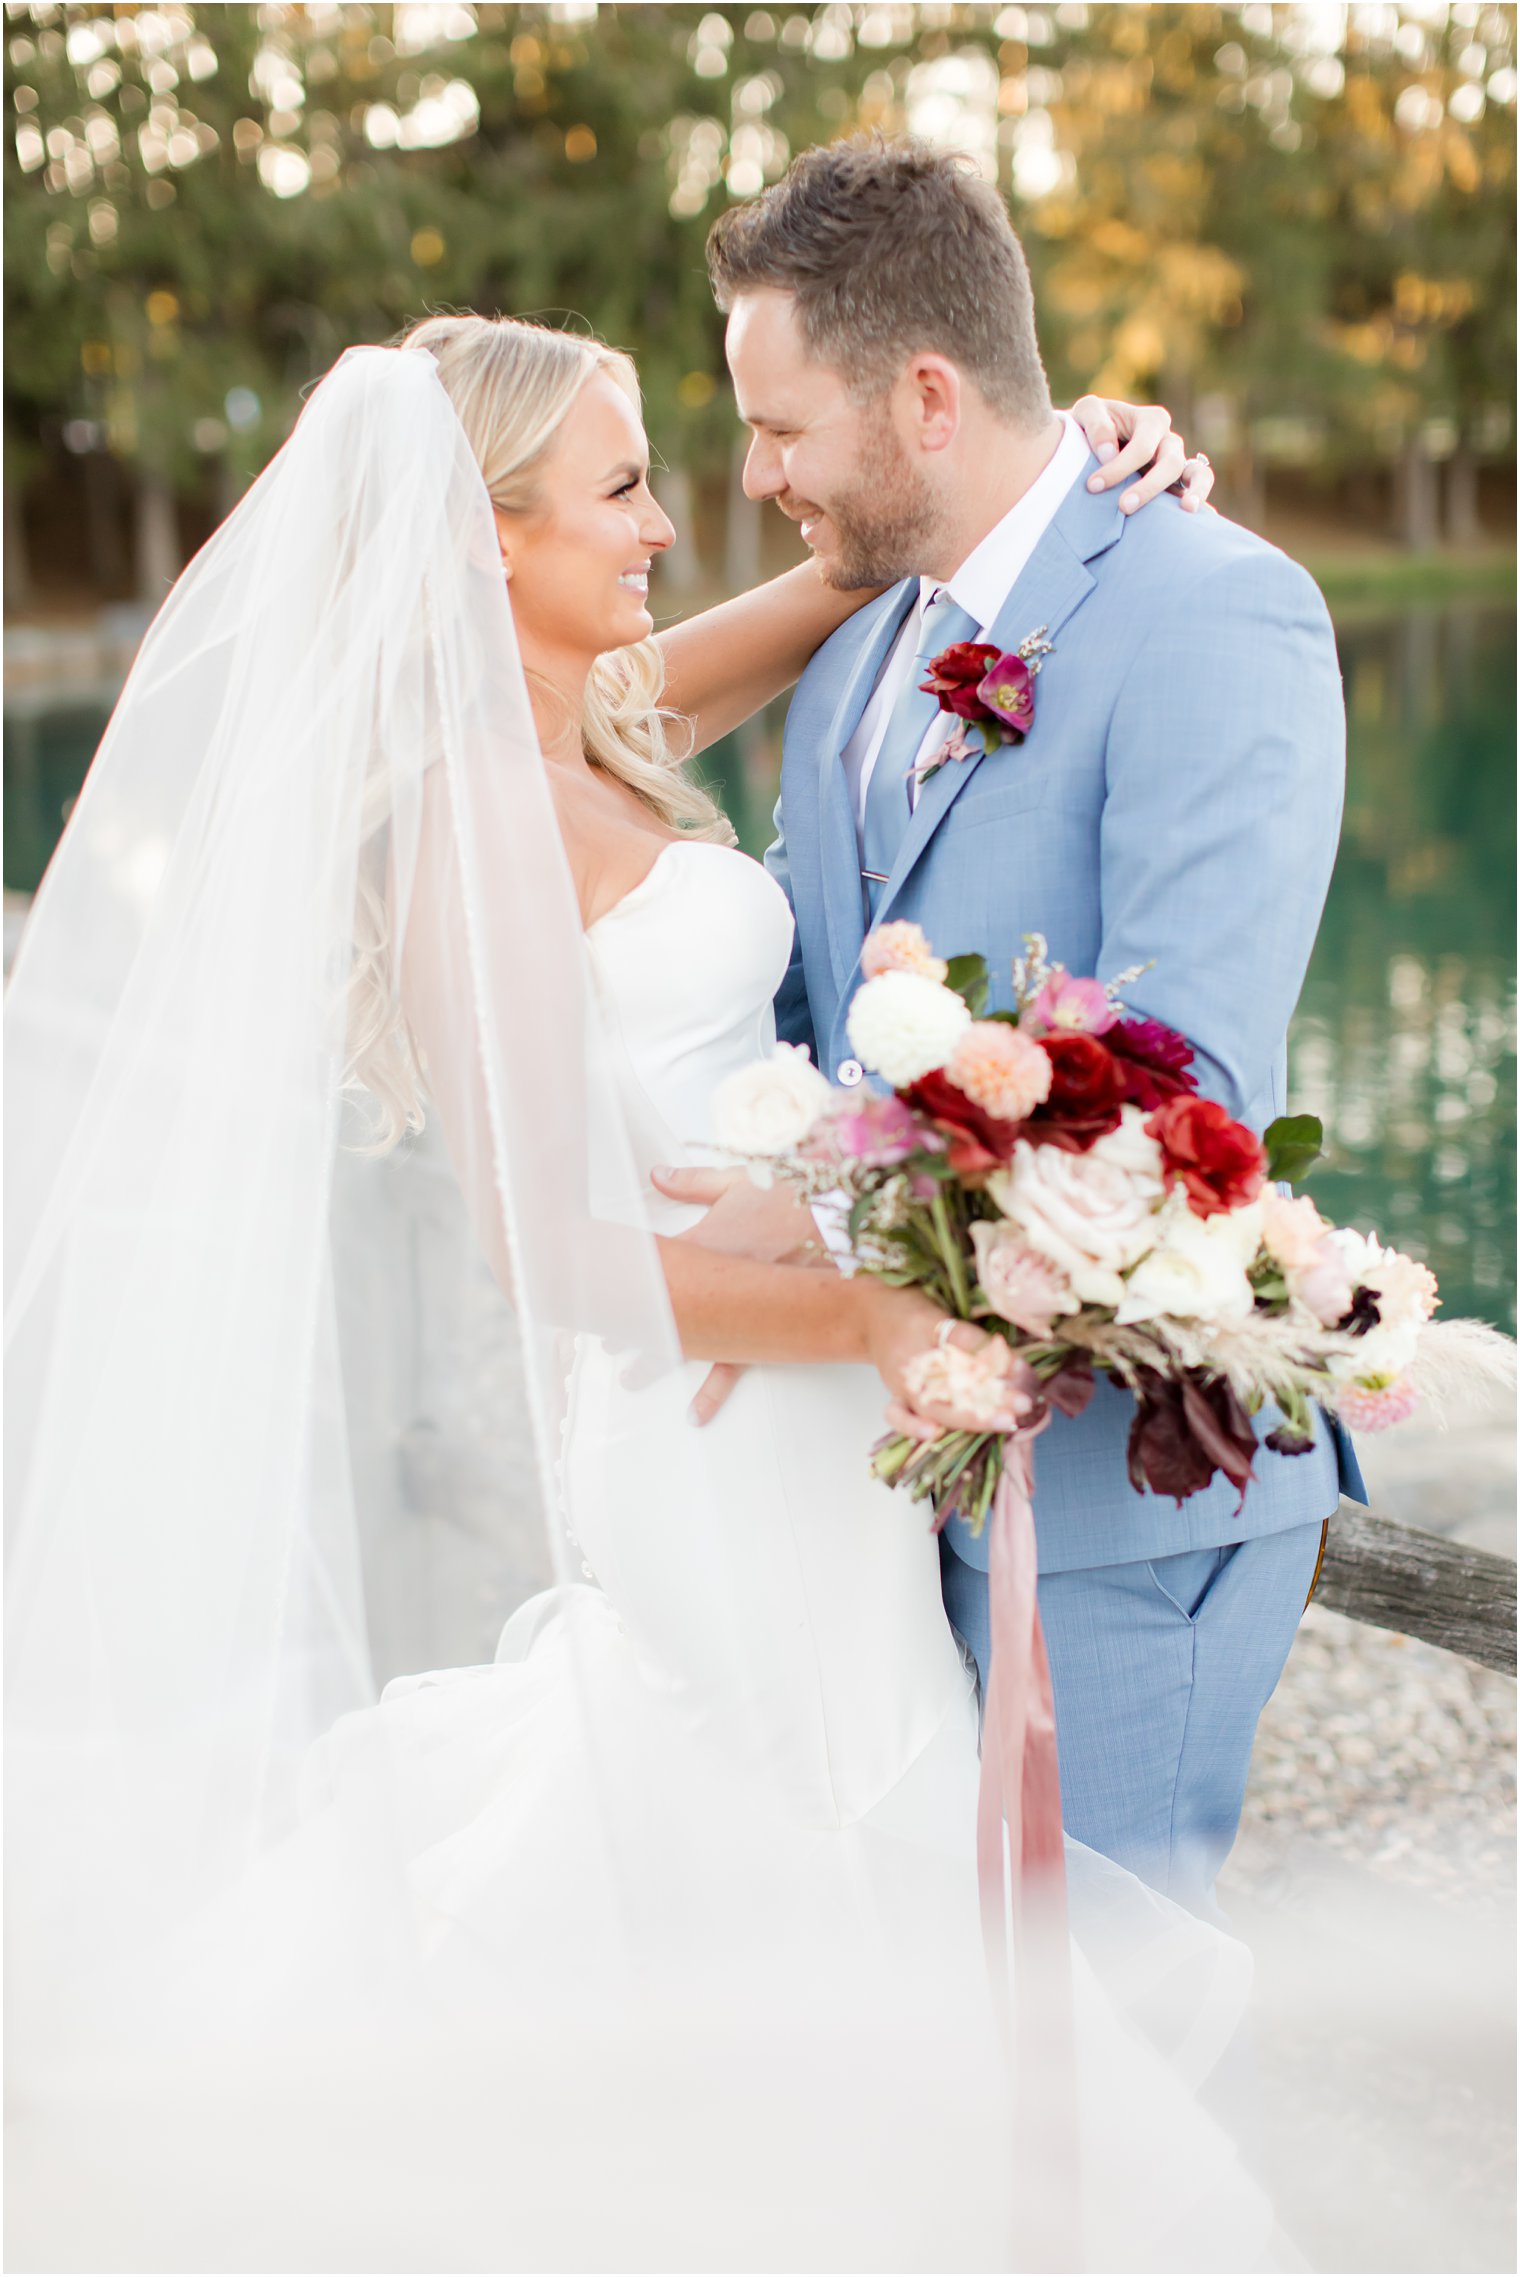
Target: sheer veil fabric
x=280, y=1405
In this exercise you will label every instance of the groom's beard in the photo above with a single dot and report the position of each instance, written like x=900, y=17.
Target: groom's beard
x=886, y=523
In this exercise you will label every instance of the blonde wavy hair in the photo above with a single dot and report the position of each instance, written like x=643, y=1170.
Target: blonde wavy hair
x=512, y=384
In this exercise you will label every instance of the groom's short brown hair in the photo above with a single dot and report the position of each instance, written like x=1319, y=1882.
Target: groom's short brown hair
x=889, y=248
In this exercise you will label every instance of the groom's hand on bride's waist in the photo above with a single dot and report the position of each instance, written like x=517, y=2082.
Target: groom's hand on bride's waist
x=741, y=1219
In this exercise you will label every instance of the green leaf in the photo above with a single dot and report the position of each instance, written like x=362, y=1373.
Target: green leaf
x=1292, y=1143
x=968, y=977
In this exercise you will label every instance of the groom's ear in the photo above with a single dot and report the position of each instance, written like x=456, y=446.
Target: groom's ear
x=933, y=391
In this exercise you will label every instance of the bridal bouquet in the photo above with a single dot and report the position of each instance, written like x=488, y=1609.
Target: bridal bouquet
x=1051, y=1174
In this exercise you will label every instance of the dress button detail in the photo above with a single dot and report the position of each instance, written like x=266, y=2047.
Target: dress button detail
x=850, y=1071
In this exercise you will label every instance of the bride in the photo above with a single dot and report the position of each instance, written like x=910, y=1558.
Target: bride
x=653, y=1941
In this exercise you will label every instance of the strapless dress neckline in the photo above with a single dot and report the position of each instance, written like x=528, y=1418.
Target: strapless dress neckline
x=653, y=876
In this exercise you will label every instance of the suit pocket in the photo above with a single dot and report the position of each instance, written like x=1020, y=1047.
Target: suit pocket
x=1001, y=801
x=1186, y=1579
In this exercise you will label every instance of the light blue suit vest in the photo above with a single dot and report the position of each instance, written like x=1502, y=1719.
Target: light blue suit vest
x=1177, y=801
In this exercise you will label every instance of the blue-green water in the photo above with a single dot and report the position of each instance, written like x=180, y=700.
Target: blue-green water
x=1405, y=1039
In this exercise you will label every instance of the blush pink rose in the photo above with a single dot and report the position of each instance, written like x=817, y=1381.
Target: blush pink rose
x=1022, y=1287
x=1322, y=1284
x=900, y=946
x=1292, y=1229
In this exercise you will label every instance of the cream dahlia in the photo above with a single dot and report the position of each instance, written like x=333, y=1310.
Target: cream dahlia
x=903, y=1026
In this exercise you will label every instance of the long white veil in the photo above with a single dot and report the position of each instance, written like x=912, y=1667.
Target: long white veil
x=316, y=841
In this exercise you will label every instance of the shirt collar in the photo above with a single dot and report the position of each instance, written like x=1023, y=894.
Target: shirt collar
x=985, y=578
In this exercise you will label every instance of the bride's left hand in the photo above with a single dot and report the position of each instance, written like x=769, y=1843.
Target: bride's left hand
x=1139, y=440
x=742, y=1220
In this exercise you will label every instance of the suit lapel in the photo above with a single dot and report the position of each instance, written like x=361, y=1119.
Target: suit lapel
x=844, y=912
x=1053, y=583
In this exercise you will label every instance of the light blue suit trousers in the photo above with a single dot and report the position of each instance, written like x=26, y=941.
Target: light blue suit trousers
x=1176, y=804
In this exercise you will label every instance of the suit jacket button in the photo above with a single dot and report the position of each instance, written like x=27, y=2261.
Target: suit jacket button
x=850, y=1071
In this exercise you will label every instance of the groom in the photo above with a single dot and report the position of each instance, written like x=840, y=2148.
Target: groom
x=1176, y=804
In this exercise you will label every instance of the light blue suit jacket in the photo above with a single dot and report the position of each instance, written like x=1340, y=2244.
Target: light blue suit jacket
x=1178, y=800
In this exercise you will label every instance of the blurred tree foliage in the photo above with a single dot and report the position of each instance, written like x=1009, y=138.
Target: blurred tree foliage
x=1293, y=223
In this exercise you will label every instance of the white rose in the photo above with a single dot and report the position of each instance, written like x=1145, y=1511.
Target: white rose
x=1358, y=1252
x=1241, y=1230
x=902, y=1026
x=1087, y=1215
x=1131, y=1148
x=770, y=1107
x=1193, y=1273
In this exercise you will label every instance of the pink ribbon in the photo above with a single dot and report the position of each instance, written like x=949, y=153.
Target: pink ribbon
x=1020, y=1783
x=1019, y=1801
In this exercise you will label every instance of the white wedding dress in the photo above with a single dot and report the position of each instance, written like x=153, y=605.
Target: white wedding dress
x=812, y=1606
x=814, y=1831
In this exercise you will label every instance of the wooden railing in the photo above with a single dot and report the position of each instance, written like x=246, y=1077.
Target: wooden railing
x=1395, y=1577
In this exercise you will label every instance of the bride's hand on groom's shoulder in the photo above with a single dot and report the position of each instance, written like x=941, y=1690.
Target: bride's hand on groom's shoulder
x=1139, y=441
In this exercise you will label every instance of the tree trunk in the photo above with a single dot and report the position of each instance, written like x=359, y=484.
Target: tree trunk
x=1419, y=497
x=19, y=590
x=741, y=570
x=741, y=562
x=157, y=537
x=108, y=556
x=1463, y=527
x=680, y=570
x=230, y=487
x=1247, y=485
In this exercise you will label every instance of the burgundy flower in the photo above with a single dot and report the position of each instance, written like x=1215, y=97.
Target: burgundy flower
x=1086, y=1093
x=1219, y=1162
x=1008, y=693
x=977, y=1141
x=1154, y=1061
x=1363, y=1315
x=1071, y=1387
x=1185, y=1429
x=955, y=676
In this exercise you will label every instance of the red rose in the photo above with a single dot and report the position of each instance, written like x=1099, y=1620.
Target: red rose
x=1086, y=1093
x=1155, y=1062
x=1218, y=1160
x=955, y=675
x=978, y=1141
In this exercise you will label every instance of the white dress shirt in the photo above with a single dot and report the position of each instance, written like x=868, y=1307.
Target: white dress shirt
x=980, y=586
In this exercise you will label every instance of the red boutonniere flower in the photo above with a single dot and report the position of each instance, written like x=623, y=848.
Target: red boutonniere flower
x=988, y=692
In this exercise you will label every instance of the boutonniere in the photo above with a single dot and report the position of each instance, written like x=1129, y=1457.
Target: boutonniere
x=989, y=695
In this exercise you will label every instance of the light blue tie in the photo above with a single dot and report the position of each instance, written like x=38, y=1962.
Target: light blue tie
x=889, y=803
